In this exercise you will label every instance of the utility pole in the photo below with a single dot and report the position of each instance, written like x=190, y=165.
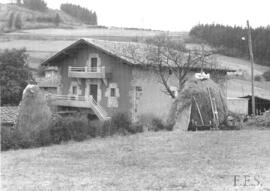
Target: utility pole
x=202, y=58
x=252, y=70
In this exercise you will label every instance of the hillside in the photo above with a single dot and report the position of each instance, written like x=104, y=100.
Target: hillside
x=206, y=161
x=34, y=19
x=42, y=43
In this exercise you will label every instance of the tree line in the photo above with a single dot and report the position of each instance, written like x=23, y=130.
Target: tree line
x=233, y=41
x=38, y=5
x=81, y=13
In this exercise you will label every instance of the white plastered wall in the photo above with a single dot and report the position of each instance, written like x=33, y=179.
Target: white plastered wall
x=112, y=101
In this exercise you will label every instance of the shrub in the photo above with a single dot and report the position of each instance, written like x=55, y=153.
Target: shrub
x=8, y=140
x=120, y=123
x=18, y=22
x=258, y=78
x=157, y=124
x=266, y=75
x=57, y=20
x=69, y=128
x=10, y=20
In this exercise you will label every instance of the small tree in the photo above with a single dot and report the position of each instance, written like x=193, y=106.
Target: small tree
x=14, y=74
x=57, y=20
x=10, y=20
x=168, y=57
x=18, y=22
x=19, y=2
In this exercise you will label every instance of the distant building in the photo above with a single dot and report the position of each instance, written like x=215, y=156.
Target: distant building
x=99, y=78
x=262, y=103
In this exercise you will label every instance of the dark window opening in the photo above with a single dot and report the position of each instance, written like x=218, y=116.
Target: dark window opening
x=74, y=90
x=112, y=92
x=94, y=64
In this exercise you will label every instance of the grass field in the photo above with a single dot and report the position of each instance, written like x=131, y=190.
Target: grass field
x=148, y=161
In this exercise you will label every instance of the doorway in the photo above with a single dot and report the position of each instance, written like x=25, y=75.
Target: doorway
x=93, y=90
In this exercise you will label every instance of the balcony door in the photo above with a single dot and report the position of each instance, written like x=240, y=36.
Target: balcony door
x=93, y=91
x=94, y=64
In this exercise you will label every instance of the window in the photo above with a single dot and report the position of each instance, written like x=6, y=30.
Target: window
x=112, y=92
x=74, y=90
x=94, y=64
x=138, y=91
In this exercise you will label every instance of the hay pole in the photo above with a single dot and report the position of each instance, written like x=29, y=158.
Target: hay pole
x=211, y=102
x=197, y=106
x=214, y=108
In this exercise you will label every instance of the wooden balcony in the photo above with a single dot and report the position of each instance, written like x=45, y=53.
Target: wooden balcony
x=69, y=100
x=79, y=102
x=88, y=72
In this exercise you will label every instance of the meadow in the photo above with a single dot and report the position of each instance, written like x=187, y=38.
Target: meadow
x=147, y=161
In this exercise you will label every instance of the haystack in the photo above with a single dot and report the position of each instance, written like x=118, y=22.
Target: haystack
x=193, y=105
x=34, y=113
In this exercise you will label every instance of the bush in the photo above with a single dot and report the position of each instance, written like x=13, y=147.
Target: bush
x=62, y=129
x=8, y=139
x=10, y=20
x=157, y=124
x=258, y=78
x=266, y=75
x=18, y=22
x=69, y=128
x=120, y=123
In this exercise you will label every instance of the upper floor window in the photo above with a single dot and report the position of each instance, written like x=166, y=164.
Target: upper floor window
x=94, y=64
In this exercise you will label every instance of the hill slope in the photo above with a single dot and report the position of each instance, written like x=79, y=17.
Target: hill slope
x=34, y=19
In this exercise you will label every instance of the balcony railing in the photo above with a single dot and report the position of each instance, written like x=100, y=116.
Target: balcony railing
x=79, y=101
x=87, y=72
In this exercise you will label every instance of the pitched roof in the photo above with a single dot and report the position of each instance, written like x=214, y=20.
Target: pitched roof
x=9, y=114
x=130, y=52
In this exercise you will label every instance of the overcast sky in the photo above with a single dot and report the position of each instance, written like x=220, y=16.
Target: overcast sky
x=176, y=15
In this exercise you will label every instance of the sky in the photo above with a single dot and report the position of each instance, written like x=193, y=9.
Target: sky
x=174, y=15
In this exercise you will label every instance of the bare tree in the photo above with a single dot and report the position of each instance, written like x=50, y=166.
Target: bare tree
x=169, y=57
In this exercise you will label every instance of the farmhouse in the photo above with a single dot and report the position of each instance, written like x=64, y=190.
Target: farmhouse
x=100, y=78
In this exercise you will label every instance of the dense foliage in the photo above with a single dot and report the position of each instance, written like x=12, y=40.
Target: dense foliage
x=18, y=22
x=38, y=5
x=13, y=75
x=62, y=129
x=83, y=14
x=266, y=75
x=233, y=40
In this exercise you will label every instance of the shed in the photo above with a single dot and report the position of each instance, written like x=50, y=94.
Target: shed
x=262, y=103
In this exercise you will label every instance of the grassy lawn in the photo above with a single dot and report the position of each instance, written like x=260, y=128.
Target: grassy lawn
x=148, y=161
